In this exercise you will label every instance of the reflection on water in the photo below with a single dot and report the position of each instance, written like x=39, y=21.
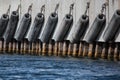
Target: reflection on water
x=25, y=67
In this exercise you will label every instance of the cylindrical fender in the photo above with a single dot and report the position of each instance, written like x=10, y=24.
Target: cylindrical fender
x=36, y=27
x=62, y=31
x=23, y=27
x=113, y=27
x=79, y=29
x=96, y=28
x=48, y=30
x=3, y=24
x=11, y=27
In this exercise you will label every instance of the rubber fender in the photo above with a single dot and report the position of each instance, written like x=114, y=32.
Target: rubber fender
x=36, y=27
x=96, y=28
x=49, y=28
x=23, y=27
x=113, y=27
x=11, y=27
x=78, y=31
x=3, y=24
x=62, y=31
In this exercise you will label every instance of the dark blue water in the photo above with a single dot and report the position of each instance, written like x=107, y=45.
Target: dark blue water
x=24, y=67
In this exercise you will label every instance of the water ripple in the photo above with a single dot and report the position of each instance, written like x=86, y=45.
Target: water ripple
x=25, y=67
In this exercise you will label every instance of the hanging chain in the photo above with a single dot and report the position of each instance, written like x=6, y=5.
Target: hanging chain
x=43, y=9
x=87, y=8
x=18, y=9
x=56, y=8
x=108, y=10
x=8, y=11
x=30, y=9
x=104, y=7
x=71, y=9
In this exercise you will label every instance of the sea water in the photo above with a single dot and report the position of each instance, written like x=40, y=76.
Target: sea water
x=26, y=67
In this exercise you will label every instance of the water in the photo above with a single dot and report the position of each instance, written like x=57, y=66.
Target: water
x=25, y=67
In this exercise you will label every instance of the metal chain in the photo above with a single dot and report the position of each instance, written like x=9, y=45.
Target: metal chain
x=56, y=8
x=30, y=9
x=87, y=8
x=104, y=7
x=43, y=9
x=18, y=8
x=20, y=11
x=8, y=11
x=71, y=9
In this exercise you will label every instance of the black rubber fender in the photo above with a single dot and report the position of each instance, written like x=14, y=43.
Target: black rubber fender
x=113, y=27
x=78, y=31
x=49, y=28
x=62, y=31
x=3, y=24
x=96, y=28
x=36, y=27
x=23, y=27
x=11, y=27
